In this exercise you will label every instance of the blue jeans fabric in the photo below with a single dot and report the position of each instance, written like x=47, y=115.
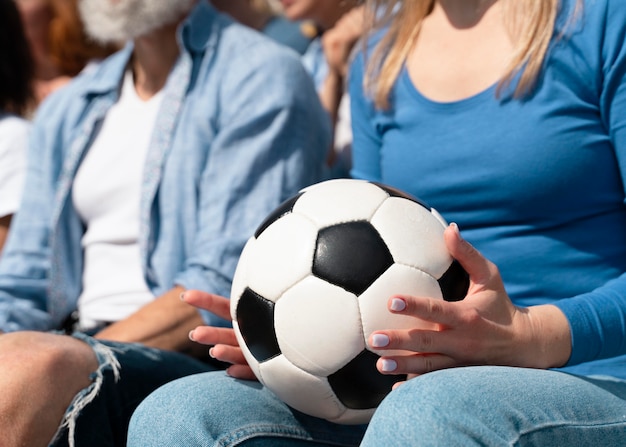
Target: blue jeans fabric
x=122, y=381
x=474, y=406
x=216, y=410
x=499, y=406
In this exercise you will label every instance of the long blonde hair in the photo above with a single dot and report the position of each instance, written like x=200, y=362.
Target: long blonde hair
x=531, y=22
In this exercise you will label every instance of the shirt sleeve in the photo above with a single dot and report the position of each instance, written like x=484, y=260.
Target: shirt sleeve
x=25, y=265
x=598, y=318
x=271, y=141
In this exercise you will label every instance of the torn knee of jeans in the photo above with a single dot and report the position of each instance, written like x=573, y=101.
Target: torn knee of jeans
x=106, y=361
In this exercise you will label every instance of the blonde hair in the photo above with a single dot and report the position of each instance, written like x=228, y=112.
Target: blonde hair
x=531, y=22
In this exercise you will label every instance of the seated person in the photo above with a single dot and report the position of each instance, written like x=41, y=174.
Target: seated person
x=338, y=26
x=146, y=176
x=259, y=15
x=509, y=118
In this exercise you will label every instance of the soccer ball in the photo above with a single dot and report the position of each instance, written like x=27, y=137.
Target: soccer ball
x=313, y=283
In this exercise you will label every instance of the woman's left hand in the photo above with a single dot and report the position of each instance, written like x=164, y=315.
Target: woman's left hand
x=483, y=329
x=223, y=342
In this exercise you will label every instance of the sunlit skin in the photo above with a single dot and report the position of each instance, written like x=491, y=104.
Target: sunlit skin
x=462, y=49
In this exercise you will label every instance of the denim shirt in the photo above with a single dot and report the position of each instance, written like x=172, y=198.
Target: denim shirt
x=314, y=62
x=240, y=130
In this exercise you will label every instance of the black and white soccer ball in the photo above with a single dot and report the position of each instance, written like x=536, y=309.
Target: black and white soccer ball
x=313, y=283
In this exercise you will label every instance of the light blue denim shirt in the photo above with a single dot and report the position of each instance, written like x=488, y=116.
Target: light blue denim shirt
x=314, y=62
x=240, y=129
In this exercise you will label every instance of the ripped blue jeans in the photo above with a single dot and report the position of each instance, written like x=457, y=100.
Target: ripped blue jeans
x=127, y=373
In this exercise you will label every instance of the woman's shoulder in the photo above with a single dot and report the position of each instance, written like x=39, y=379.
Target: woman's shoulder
x=593, y=30
x=592, y=14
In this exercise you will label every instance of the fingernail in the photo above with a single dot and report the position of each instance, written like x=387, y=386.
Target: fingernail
x=388, y=365
x=182, y=296
x=455, y=227
x=379, y=340
x=397, y=305
x=211, y=353
x=191, y=335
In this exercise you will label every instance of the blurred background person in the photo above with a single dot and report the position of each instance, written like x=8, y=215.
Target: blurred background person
x=58, y=42
x=16, y=73
x=266, y=18
x=336, y=27
x=338, y=44
x=319, y=16
x=324, y=32
x=149, y=172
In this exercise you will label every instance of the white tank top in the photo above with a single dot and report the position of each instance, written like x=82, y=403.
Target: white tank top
x=106, y=193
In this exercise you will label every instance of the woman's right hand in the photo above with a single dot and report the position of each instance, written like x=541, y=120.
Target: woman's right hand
x=485, y=328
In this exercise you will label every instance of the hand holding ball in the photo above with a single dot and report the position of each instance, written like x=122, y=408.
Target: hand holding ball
x=314, y=282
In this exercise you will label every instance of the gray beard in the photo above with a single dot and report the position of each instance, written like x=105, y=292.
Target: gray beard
x=108, y=22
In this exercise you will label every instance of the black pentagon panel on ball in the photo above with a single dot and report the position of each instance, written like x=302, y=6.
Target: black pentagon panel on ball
x=359, y=385
x=395, y=192
x=284, y=208
x=350, y=255
x=454, y=282
x=255, y=318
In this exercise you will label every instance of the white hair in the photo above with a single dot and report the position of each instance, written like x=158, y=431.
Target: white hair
x=113, y=22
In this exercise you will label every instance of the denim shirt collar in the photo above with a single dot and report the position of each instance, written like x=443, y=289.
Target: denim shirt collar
x=197, y=33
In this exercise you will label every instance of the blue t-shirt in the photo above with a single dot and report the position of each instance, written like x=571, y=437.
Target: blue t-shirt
x=535, y=184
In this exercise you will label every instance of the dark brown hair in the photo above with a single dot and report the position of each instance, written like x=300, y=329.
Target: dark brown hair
x=16, y=62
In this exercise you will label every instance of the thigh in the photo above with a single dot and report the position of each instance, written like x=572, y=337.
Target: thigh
x=40, y=373
x=215, y=409
x=501, y=406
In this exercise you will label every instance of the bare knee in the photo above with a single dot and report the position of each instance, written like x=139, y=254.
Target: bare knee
x=40, y=374
x=38, y=352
